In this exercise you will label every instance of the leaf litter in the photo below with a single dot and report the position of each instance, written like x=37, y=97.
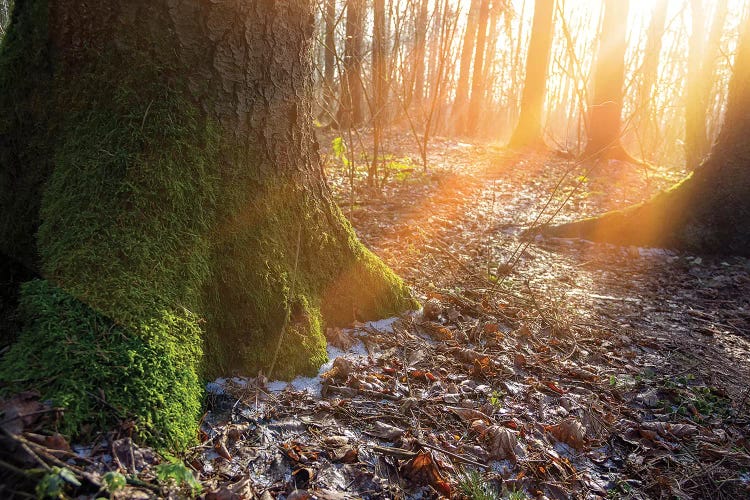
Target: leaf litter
x=545, y=368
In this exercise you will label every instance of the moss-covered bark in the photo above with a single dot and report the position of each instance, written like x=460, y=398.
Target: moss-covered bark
x=158, y=170
x=709, y=212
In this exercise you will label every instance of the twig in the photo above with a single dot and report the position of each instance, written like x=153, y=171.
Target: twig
x=288, y=314
x=454, y=455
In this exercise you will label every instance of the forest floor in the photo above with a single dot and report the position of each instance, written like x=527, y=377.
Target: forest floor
x=537, y=368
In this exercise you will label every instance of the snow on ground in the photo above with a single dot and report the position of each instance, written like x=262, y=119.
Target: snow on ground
x=310, y=384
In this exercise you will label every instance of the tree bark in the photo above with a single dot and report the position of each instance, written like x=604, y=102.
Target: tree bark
x=605, y=120
x=709, y=211
x=350, y=111
x=649, y=75
x=420, y=51
x=461, y=101
x=703, y=54
x=329, y=59
x=158, y=169
x=477, y=79
x=528, y=131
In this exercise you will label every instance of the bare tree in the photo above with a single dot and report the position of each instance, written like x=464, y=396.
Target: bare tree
x=605, y=120
x=350, y=111
x=528, y=131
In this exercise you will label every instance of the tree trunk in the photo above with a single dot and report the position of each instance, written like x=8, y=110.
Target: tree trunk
x=649, y=75
x=329, y=59
x=477, y=79
x=158, y=169
x=605, y=120
x=528, y=131
x=709, y=211
x=380, y=85
x=350, y=106
x=701, y=71
x=420, y=47
x=464, y=77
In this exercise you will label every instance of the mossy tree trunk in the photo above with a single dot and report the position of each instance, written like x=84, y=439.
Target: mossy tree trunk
x=528, y=131
x=158, y=170
x=708, y=212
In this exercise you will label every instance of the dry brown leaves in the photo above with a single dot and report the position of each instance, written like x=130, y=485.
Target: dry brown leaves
x=570, y=432
x=423, y=470
x=500, y=442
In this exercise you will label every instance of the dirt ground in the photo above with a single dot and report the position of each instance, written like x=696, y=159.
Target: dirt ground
x=538, y=367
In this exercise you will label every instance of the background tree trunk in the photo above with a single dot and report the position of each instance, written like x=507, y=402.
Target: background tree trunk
x=528, y=131
x=158, y=167
x=704, y=52
x=649, y=75
x=605, y=120
x=709, y=211
x=461, y=102
x=329, y=64
x=420, y=46
x=380, y=85
x=477, y=78
x=350, y=107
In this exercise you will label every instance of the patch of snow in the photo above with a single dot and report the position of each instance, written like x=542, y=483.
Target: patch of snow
x=654, y=252
x=83, y=451
x=313, y=384
x=216, y=387
x=383, y=325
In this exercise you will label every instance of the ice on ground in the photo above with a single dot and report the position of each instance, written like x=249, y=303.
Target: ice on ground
x=312, y=385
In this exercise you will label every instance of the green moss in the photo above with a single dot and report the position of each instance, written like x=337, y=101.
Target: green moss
x=103, y=373
x=334, y=281
x=25, y=145
x=116, y=209
x=146, y=223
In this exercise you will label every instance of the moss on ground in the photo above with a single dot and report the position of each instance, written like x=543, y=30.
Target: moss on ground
x=103, y=373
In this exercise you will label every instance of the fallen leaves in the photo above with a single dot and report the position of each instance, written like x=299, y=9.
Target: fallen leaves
x=500, y=442
x=570, y=432
x=423, y=470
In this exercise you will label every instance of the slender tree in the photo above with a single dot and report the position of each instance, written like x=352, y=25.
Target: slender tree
x=420, y=51
x=329, y=58
x=380, y=84
x=477, y=80
x=649, y=73
x=159, y=172
x=528, y=131
x=461, y=102
x=704, y=52
x=605, y=122
x=709, y=211
x=350, y=111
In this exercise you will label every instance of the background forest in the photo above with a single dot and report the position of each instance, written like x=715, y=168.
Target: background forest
x=450, y=67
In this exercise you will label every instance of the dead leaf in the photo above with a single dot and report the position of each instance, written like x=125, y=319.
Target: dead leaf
x=467, y=414
x=339, y=338
x=241, y=490
x=221, y=448
x=20, y=412
x=437, y=332
x=500, y=442
x=490, y=328
x=423, y=470
x=385, y=431
x=570, y=432
x=340, y=370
